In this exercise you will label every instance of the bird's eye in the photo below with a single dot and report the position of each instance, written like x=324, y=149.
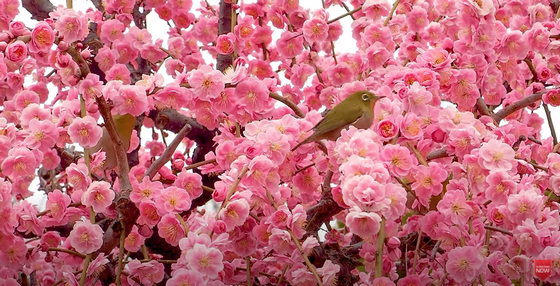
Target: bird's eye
x=365, y=97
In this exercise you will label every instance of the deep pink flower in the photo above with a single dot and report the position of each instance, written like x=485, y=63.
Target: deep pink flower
x=417, y=19
x=366, y=193
x=57, y=202
x=315, y=30
x=107, y=58
x=16, y=51
x=148, y=213
x=170, y=229
x=134, y=241
x=290, y=45
x=78, y=176
x=225, y=44
x=86, y=237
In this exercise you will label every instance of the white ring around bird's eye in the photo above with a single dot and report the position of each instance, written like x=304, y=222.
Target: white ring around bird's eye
x=365, y=97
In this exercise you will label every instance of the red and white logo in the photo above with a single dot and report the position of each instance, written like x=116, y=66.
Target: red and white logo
x=543, y=269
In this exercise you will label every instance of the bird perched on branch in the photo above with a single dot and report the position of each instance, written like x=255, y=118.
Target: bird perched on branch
x=124, y=124
x=356, y=110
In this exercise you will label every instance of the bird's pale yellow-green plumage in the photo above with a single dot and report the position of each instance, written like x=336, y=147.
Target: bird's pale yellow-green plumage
x=355, y=110
x=124, y=125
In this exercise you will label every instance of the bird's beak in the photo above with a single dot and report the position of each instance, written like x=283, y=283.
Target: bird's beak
x=380, y=97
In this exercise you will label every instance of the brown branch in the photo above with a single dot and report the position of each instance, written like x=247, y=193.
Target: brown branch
x=522, y=103
x=489, y=227
x=324, y=209
x=392, y=12
x=224, y=27
x=39, y=9
x=550, y=124
x=441, y=153
x=350, y=13
x=289, y=103
x=168, y=153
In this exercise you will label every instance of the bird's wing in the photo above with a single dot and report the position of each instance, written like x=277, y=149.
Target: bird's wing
x=338, y=118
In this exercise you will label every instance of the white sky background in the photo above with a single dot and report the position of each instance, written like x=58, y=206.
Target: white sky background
x=159, y=28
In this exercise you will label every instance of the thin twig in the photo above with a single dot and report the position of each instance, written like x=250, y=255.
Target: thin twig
x=550, y=124
x=344, y=15
x=392, y=12
x=289, y=103
x=202, y=163
x=168, y=153
x=489, y=227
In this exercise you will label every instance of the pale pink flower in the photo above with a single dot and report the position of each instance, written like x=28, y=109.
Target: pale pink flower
x=42, y=135
x=72, y=26
x=118, y=72
x=153, y=53
x=170, y=229
x=173, y=96
x=397, y=159
x=85, y=131
x=398, y=198
x=513, y=46
x=149, y=273
x=78, y=176
x=252, y=94
x=145, y=190
x=130, y=99
x=429, y=181
x=417, y=19
x=235, y=213
x=86, y=237
x=57, y=202
x=111, y=30
x=307, y=183
x=183, y=277
x=497, y=155
x=97, y=265
x=204, y=260
x=107, y=58
x=455, y=207
x=366, y=193
x=464, y=264
x=364, y=224
x=524, y=205
x=138, y=37
x=501, y=185
x=173, y=199
x=207, y=83
x=99, y=196
x=20, y=162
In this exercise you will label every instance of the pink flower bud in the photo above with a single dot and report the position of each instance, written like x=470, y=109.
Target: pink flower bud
x=393, y=242
x=62, y=46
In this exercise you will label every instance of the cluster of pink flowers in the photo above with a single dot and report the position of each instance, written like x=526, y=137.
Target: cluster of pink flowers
x=452, y=185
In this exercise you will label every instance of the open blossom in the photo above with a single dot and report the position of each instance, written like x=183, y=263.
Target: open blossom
x=20, y=162
x=85, y=131
x=206, y=261
x=315, y=30
x=252, y=94
x=42, y=135
x=130, y=99
x=497, y=155
x=99, y=196
x=173, y=199
x=455, y=208
x=364, y=224
x=235, y=213
x=207, y=83
x=170, y=229
x=148, y=273
x=225, y=44
x=16, y=51
x=465, y=264
x=86, y=237
x=397, y=158
x=73, y=26
x=366, y=193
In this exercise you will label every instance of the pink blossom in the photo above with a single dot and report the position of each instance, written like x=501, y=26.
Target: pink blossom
x=14, y=255
x=225, y=44
x=107, y=58
x=417, y=19
x=206, y=82
x=99, y=196
x=455, y=207
x=290, y=45
x=16, y=51
x=235, y=213
x=524, y=205
x=111, y=30
x=173, y=199
x=57, y=202
x=552, y=97
x=85, y=131
x=118, y=72
x=204, y=260
x=191, y=182
x=307, y=183
x=148, y=273
x=315, y=30
x=170, y=229
x=86, y=237
x=42, y=135
x=20, y=162
x=138, y=37
x=464, y=264
x=397, y=158
x=73, y=26
x=512, y=45
x=148, y=213
x=134, y=240
x=145, y=190
x=153, y=53
x=364, y=224
x=130, y=99
x=496, y=155
x=366, y=193
x=78, y=176
x=252, y=94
